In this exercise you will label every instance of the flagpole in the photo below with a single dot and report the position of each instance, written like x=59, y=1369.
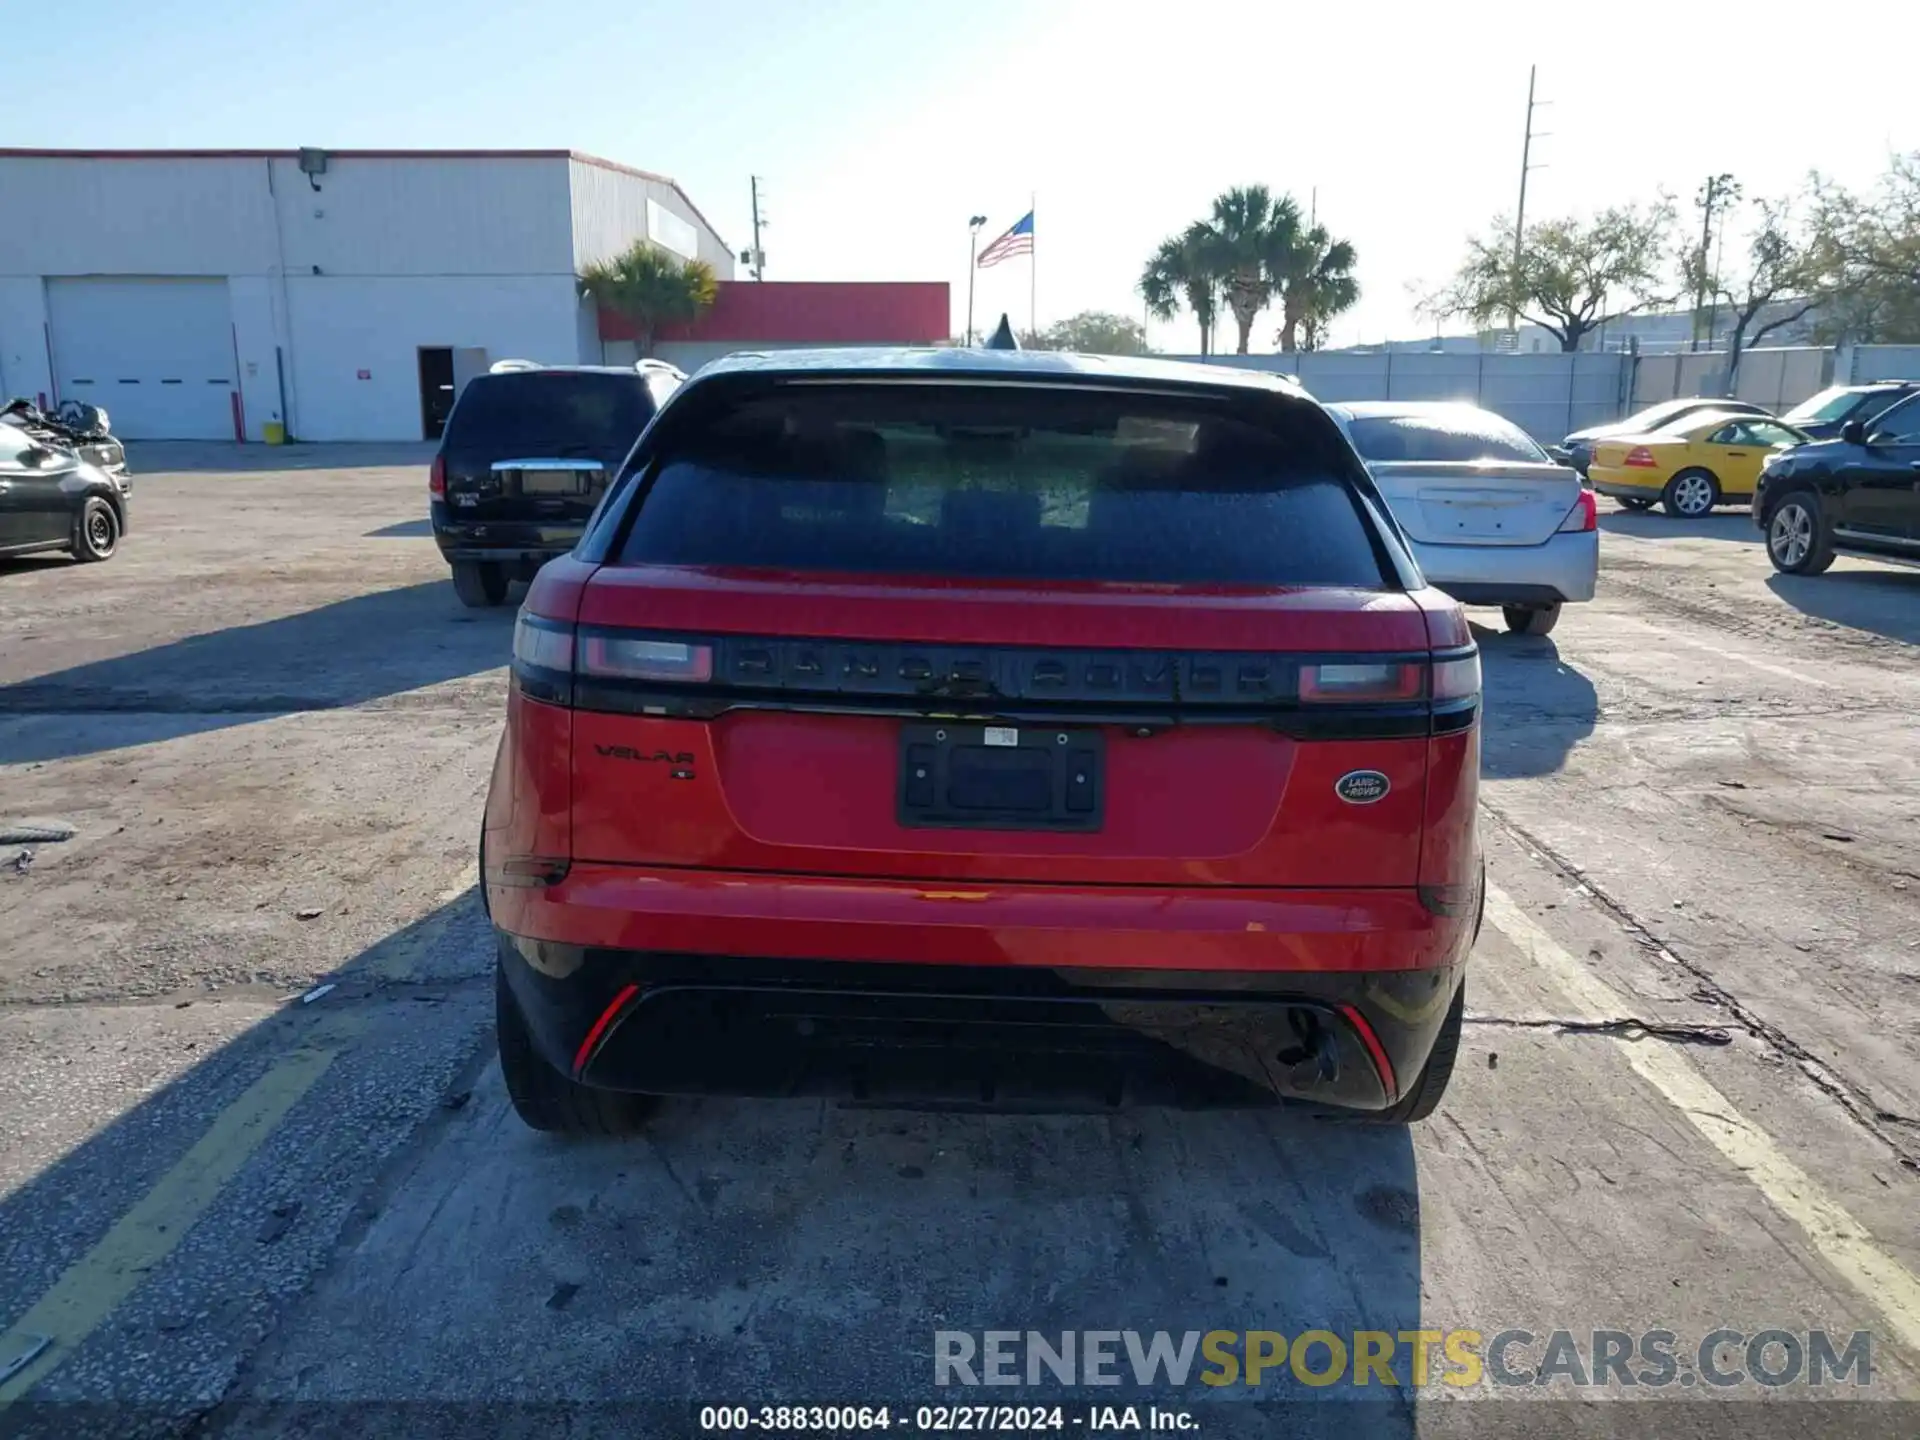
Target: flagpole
x=1033, y=266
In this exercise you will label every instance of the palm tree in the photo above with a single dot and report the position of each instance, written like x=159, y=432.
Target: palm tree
x=1252, y=235
x=651, y=288
x=1318, y=284
x=1181, y=269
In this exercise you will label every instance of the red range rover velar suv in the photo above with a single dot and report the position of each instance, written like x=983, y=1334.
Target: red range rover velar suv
x=985, y=727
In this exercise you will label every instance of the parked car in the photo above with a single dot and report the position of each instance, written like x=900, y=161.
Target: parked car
x=1855, y=495
x=1691, y=466
x=1491, y=519
x=984, y=724
x=1577, y=449
x=51, y=499
x=74, y=425
x=525, y=459
x=1821, y=416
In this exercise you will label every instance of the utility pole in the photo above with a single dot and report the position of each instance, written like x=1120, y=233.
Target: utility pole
x=1520, y=211
x=1705, y=291
x=759, y=264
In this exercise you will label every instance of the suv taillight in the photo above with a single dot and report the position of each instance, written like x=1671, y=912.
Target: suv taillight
x=622, y=657
x=1585, y=514
x=1348, y=684
x=542, y=643
x=437, y=478
x=1457, y=677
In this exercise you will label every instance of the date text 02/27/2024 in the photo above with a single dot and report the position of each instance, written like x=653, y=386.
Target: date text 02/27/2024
x=942, y=1419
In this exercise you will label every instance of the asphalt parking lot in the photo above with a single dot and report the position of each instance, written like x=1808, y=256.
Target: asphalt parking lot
x=235, y=1203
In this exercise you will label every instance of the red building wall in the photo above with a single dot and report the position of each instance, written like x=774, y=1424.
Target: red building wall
x=802, y=312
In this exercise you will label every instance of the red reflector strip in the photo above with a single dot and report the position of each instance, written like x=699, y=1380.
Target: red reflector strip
x=607, y=1017
x=1381, y=1063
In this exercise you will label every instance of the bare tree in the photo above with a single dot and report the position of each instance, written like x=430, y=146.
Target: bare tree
x=1571, y=277
x=1781, y=277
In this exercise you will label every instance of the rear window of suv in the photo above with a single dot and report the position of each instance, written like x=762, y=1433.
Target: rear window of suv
x=546, y=409
x=991, y=483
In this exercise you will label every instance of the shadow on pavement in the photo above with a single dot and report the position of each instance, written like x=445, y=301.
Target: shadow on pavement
x=403, y=530
x=1882, y=602
x=334, y=1087
x=798, y=1251
x=1729, y=523
x=28, y=564
x=182, y=457
x=368, y=647
x=1538, y=707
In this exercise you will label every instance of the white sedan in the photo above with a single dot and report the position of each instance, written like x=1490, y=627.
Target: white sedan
x=1491, y=518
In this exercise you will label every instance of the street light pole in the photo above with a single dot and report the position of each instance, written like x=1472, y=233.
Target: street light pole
x=973, y=266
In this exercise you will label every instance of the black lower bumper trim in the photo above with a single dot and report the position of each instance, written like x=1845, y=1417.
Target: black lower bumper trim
x=1473, y=593
x=996, y=1036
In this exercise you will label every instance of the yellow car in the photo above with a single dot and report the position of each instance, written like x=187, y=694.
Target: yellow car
x=1691, y=466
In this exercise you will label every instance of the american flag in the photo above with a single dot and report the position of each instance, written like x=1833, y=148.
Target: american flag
x=1017, y=241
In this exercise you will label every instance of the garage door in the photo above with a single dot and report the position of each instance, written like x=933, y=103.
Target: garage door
x=156, y=353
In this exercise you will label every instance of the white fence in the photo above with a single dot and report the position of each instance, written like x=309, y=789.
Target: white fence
x=1548, y=395
x=1779, y=378
x=1545, y=395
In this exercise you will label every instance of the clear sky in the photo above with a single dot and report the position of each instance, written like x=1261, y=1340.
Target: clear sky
x=879, y=126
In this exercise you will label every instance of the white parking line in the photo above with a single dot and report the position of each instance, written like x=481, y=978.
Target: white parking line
x=1845, y=1243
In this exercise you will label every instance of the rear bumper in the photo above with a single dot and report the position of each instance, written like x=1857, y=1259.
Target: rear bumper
x=1612, y=482
x=1566, y=567
x=501, y=540
x=691, y=982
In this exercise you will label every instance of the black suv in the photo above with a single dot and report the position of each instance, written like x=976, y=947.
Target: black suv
x=525, y=459
x=1857, y=495
x=1822, y=415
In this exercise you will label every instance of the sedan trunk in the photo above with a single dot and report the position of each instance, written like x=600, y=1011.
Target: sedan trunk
x=1441, y=502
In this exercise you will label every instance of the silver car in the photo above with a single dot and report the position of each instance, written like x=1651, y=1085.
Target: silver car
x=1491, y=518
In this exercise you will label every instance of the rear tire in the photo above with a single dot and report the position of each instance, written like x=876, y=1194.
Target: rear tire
x=1528, y=620
x=544, y=1098
x=479, y=583
x=96, y=531
x=1422, y=1097
x=1798, y=540
x=1691, y=495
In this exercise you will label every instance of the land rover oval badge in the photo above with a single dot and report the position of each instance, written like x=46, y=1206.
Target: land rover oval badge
x=1361, y=787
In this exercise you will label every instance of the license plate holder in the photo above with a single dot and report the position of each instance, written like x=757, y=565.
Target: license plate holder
x=553, y=482
x=963, y=776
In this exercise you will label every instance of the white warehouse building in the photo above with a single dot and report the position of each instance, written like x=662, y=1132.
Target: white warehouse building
x=331, y=295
